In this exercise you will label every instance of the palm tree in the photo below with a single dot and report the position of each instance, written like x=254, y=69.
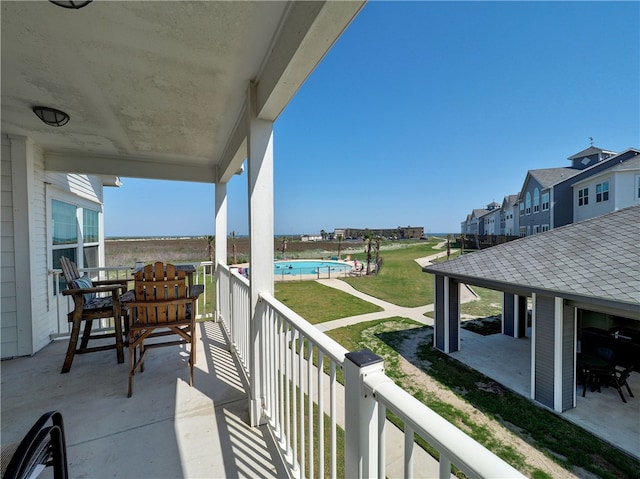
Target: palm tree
x=339, y=246
x=323, y=235
x=233, y=247
x=368, y=242
x=377, y=246
x=284, y=240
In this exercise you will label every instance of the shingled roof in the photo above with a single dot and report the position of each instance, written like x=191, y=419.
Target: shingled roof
x=592, y=150
x=550, y=176
x=595, y=261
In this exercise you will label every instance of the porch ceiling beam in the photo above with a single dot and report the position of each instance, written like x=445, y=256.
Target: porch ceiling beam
x=306, y=35
x=129, y=167
x=308, y=32
x=235, y=151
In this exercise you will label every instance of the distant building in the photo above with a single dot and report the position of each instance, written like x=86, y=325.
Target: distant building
x=311, y=237
x=401, y=232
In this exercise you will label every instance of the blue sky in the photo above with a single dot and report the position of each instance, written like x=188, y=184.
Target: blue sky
x=423, y=111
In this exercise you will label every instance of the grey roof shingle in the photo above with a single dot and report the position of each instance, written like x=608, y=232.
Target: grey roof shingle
x=550, y=176
x=589, y=151
x=597, y=259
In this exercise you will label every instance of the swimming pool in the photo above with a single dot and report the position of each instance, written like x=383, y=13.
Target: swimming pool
x=309, y=267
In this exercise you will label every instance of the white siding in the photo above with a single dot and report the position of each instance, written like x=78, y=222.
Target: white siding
x=8, y=311
x=626, y=189
x=87, y=187
x=622, y=193
x=44, y=319
x=29, y=314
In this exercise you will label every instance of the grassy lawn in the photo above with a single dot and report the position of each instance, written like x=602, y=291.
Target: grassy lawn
x=318, y=303
x=401, y=280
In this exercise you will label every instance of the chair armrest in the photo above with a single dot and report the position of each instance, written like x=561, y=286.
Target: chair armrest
x=98, y=289
x=196, y=290
x=124, y=283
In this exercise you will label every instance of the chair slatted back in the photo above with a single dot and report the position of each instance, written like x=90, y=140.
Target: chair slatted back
x=164, y=290
x=69, y=270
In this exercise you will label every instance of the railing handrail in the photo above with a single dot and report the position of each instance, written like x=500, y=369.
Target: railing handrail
x=328, y=346
x=234, y=272
x=464, y=452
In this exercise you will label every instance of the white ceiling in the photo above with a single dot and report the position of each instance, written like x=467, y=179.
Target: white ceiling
x=157, y=89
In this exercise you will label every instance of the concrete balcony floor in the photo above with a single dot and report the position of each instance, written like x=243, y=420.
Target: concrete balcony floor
x=508, y=361
x=166, y=430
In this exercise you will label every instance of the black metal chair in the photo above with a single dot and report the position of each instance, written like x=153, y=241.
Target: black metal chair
x=618, y=378
x=43, y=446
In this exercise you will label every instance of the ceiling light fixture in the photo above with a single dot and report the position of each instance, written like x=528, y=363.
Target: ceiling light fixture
x=74, y=5
x=51, y=116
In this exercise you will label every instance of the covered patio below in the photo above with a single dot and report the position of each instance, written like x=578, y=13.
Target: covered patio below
x=507, y=360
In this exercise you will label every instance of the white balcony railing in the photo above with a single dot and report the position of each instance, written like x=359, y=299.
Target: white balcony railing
x=299, y=378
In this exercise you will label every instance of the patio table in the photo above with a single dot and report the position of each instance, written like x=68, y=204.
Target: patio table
x=592, y=369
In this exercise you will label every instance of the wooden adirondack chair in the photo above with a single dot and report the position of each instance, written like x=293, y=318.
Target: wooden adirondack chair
x=164, y=305
x=89, y=306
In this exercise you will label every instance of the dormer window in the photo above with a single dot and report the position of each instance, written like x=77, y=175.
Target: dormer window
x=602, y=192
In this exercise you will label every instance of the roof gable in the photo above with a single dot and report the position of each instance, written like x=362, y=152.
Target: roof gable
x=592, y=150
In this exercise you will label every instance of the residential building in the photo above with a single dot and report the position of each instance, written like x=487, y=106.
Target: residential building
x=553, y=197
x=509, y=215
x=548, y=195
x=612, y=189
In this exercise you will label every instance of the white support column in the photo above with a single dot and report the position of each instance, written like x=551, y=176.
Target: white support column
x=446, y=331
x=533, y=346
x=23, y=191
x=260, y=178
x=558, y=320
x=502, y=316
x=516, y=315
x=221, y=238
x=575, y=354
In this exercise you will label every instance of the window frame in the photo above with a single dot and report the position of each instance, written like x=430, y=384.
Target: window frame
x=546, y=198
x=583, y=196
x=536, y=200
x=527, y=201
x=602, y=191
x=95, y=242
